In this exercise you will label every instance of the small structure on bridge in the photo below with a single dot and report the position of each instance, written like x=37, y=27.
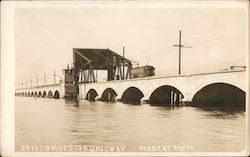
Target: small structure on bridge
x=144, y=71
x=69, y=84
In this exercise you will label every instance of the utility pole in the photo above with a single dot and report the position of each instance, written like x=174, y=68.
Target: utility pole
x=31, y=82
x=36, y=80
x=54, y=76
x=180, y=46
x=44, y=79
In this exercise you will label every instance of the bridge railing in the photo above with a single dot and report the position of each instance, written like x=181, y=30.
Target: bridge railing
x=170, y=76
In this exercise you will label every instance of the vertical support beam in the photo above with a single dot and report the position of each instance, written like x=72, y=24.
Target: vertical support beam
x=129, y=67
x=80, y=76
x=109, y=97
x=180, y=52
x=175, y=98
x=118, y=72
x=111, y=67
x=93, y=75
x=88, y=95
x=85, y=73
x=180, y=97
x=123, y=65
x=171, y=98
x=83, y=76
x=120, y=69
x=96, y=76
x=90, y=76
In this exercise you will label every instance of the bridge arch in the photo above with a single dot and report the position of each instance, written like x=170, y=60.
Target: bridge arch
x=35, y=94
x=50, y=94
x=44, y=94
x=56, y=94
x=108, y=95
x=32, y=93
x=165, y=95
x=132, y=95
x=220, y=94
x=91, y=95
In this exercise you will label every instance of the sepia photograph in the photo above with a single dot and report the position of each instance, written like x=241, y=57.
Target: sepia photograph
x=125, y=78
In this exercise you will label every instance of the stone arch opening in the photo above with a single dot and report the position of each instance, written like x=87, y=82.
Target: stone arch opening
x=44, y=94
x=132, y=95
x=50, y=94
x=32, y=93
x=166, y=95
x=39, y=94
x=56, y=94
x=108, y=95
x=35, y=94
x=91, y=95
x=28, y=93
x=220, y=95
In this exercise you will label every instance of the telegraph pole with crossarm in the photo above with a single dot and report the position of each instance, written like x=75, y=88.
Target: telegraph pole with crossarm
x=180, y=46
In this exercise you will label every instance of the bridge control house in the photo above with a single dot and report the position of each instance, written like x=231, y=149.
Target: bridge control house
x=69, y=84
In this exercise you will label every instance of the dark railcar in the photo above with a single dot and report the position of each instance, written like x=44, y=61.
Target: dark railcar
x=144, y=71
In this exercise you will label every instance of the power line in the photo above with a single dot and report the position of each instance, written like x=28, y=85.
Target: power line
x=196, y=42
x=216, y=39
x=158, y=53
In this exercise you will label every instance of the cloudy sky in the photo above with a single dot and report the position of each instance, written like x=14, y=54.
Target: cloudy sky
x=45, y=37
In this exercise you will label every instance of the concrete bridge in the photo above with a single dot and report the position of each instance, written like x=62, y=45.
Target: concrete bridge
x=229, y=86
x=50, y=91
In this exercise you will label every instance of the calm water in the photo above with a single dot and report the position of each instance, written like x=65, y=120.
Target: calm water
x=43, y=121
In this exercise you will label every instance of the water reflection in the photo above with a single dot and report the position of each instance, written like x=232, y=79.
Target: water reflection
x=101, y=123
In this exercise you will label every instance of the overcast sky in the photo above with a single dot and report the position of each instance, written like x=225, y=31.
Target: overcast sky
x=45, y=37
